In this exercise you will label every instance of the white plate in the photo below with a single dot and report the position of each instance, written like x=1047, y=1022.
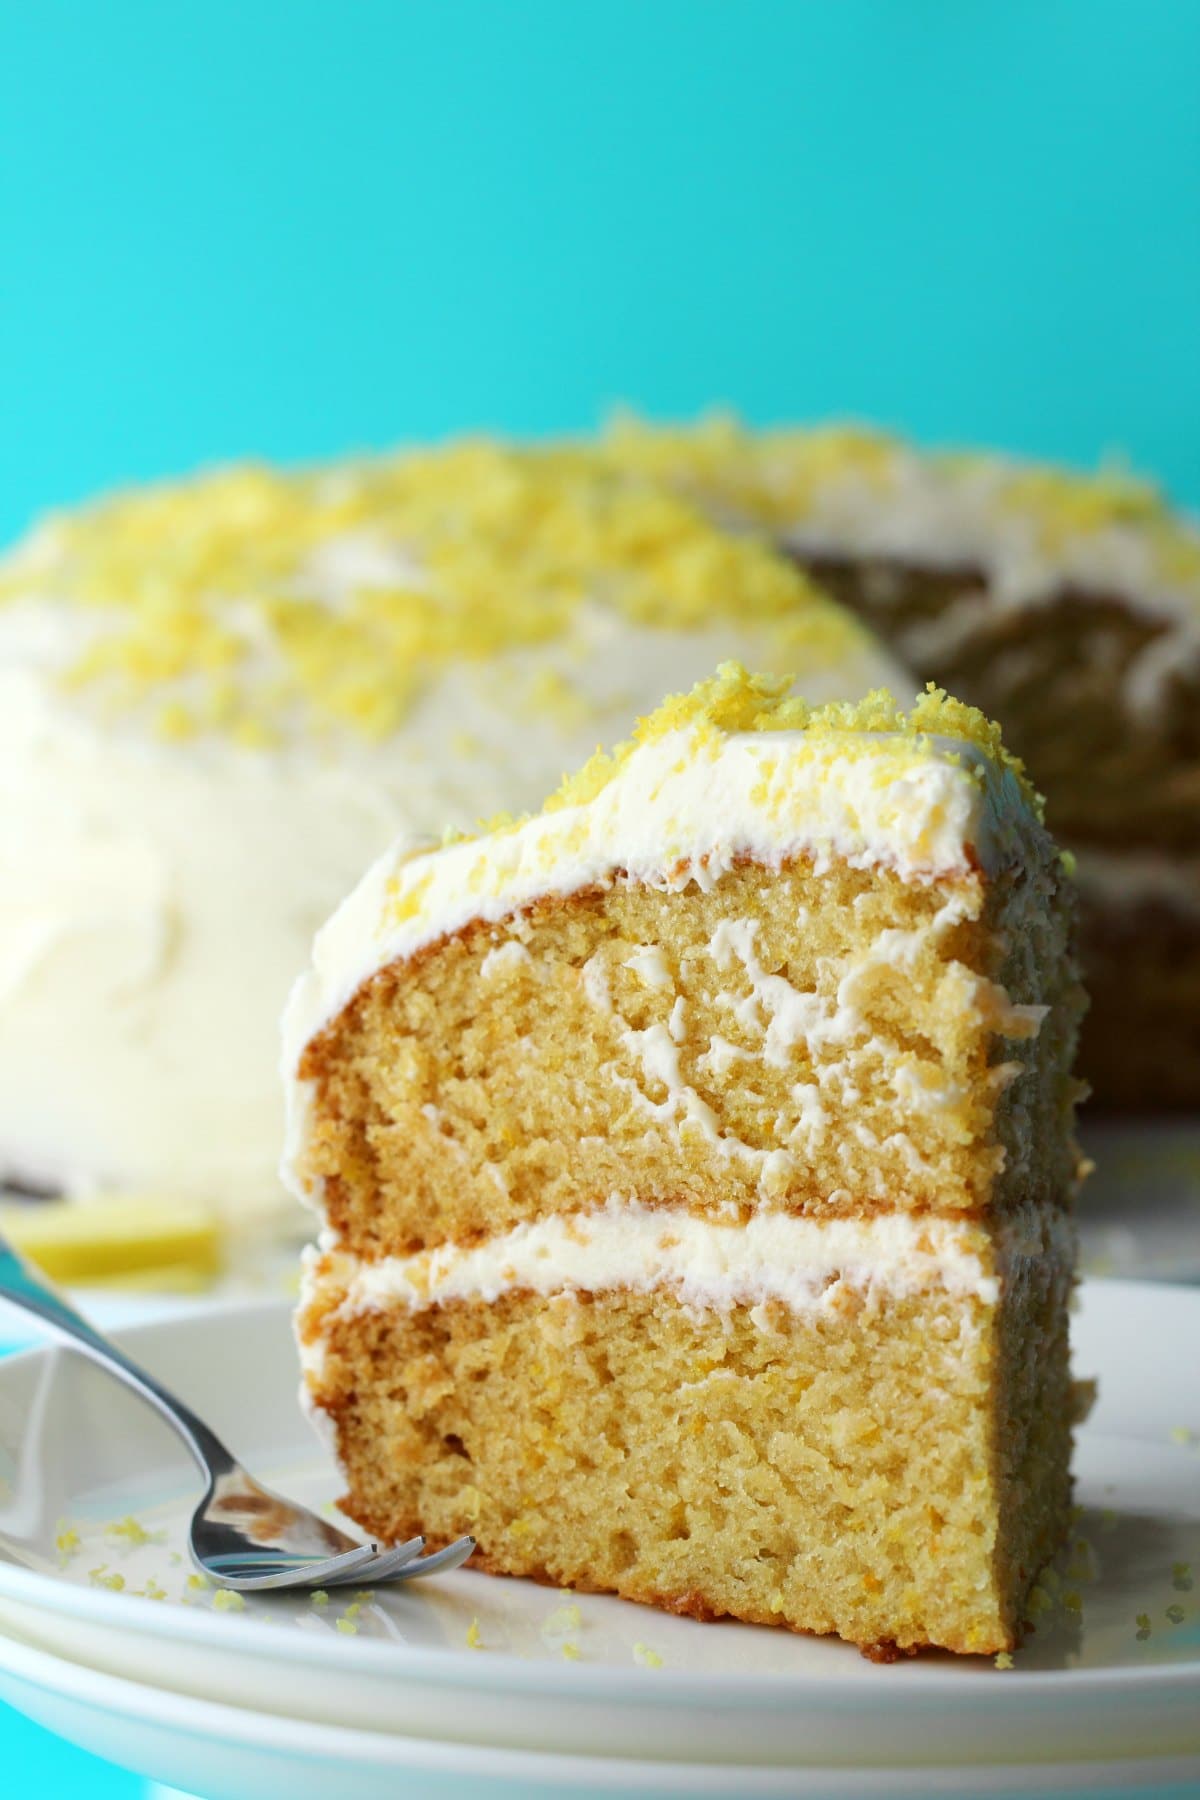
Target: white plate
x=1091, y=1684
x=234, y=1753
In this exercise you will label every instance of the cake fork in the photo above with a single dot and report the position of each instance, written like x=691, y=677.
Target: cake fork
x=242, y=1534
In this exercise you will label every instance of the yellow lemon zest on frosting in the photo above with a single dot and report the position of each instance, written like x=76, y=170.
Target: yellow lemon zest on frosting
x=768, y=478
x=1064, y=505
x=734, y=700
x=875, y=730
x=258, y=598
x=405, y=897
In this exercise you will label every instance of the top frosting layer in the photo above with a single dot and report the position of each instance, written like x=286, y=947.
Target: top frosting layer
x=736, y=769
x=264, y=605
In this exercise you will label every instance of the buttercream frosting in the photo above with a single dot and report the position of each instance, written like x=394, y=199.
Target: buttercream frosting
x=774, y=1257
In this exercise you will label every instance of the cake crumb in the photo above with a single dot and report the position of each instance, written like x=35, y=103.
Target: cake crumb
x=474, y=1637
x=1176, y=1614
x=1181, y=1577
x=151, y=1591
x=1143, y=1626
x=1004, y=1660
x=198, y=1581
x=128, y=1530
x=1182, y=1434
x=563, y=1618
x=346, y=1626
x=319, y=1597
x=68, y=1543
x=649, y=1659
x=571, y=1652
x=228, y=1600
x=101, y=1578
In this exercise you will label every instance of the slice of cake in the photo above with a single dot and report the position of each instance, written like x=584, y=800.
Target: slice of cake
x=695, y=1161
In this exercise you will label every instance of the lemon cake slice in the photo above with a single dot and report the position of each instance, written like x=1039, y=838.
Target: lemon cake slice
x=695, y=1161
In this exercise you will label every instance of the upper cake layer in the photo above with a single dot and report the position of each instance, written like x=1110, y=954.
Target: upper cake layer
x=734, y=770
x=818, y=959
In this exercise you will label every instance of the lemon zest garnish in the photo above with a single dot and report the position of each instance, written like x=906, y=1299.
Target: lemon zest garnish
x=67, y=1542
x=101, y=1578
x=563, y=1618
x=215, y=604
x=132, y=1533
x=735, y=701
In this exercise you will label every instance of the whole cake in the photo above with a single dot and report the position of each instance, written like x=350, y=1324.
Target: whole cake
x=695, y=1162
x=1065, y=606
x=220, y=699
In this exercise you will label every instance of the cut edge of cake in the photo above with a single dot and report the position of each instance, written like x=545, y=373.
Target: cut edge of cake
x=868, y=1393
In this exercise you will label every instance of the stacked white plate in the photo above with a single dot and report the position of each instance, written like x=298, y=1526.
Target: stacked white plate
x=467, y=1684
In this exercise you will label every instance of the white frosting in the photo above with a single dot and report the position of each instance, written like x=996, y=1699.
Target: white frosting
x=799, y=1262
x=156, y=899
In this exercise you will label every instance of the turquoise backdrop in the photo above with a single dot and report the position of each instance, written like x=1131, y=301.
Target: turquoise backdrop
x=290, y=228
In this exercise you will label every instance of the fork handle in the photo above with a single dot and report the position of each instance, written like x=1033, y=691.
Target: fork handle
x=22, y=1287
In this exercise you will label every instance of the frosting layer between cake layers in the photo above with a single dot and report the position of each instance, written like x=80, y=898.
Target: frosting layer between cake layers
x=796, y=1261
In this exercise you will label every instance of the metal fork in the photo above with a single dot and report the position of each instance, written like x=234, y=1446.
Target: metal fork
x=242, y=1534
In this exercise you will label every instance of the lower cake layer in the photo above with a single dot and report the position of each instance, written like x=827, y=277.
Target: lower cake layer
x=888, y=1464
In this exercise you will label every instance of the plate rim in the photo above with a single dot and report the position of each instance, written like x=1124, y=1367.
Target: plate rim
x=86, y=1685
x=449, y=1665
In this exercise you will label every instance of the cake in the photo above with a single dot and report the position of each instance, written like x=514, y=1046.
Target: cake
x=221, y=698
x=694, y=1160
x=1065, y=606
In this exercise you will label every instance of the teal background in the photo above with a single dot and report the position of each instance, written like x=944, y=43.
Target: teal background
x=291, y=228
